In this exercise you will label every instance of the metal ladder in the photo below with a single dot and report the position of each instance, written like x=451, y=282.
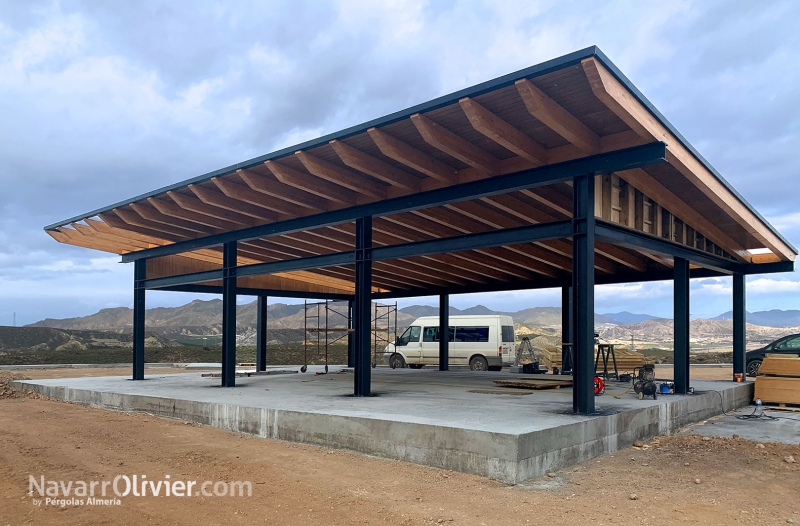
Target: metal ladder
x=524, y=345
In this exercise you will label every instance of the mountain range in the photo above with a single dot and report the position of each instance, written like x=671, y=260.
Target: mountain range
x=201, y=321
x=768, y=318
x=208, y=315
x=201, y=317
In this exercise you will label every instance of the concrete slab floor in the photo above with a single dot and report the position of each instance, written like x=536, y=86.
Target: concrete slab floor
x=424, y=396
x=450, y=419
x=775, y=426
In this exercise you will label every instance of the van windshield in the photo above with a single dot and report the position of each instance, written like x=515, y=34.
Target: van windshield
x=410, y=335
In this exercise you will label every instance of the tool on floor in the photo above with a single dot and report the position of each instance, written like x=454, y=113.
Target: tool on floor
x=605, y=351
x=599, y=386
x=527, y=368
x=645, y=384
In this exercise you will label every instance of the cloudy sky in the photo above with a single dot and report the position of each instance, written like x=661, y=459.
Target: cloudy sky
x=101, y=101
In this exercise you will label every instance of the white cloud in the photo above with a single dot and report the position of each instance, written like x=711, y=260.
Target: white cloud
x=102, y=104
x=772, y=286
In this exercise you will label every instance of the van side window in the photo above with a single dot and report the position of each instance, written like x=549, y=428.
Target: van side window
x=431, y=334
x=410, y=335
x=508, y=333
x=472, y=334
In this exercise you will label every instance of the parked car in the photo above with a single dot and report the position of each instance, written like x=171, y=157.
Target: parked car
x=482, y=342
x=786, y=345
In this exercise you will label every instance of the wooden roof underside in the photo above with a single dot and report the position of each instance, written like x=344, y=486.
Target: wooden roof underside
x=573, y=112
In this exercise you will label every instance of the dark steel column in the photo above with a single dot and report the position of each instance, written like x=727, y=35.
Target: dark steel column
x=444, y=332
x=139, y=275
x=566, y=329
x=362, y=319
x=229, y=314
x=351, y=358
x=583, y=293
x=261, y=333
x=681, y=332
x=739, y=324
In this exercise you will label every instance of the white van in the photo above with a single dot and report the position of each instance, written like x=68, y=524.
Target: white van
x=485, y=343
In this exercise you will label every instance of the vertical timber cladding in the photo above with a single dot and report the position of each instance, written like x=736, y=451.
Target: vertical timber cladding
x=619, y=202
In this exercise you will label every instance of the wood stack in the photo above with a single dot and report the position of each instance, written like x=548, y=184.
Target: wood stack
x=538, y=382
x=779, y=381
x=627, y=360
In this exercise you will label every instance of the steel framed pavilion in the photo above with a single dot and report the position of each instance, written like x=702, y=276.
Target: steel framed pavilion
x=559, y=175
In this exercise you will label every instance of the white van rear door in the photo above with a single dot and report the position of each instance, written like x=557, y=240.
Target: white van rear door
x=508, y=344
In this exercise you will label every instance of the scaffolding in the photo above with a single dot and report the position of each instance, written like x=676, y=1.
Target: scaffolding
x=384, y=329
x=318, y=335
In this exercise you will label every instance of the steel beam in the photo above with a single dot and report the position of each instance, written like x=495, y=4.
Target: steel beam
x=681, y=330
x=739, y=325
x=444, y=332
x=363, y=308
x=289, y=265
x=246, y=291
x=629, y=238
x=550, y=283
x=510, y=236
x=494, y=238
x=262, y=320
x=139, y=292
x=183, y=279
x=566, y=329
x=229, y=315
x=583, y=293
x=625, y=159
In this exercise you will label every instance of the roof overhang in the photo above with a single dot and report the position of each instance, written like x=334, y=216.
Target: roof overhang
x=495, y=157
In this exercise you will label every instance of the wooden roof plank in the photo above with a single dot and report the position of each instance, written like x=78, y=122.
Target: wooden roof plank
x=557, y=118
x=170, y=209
x=503, y=133
x=311, y=184
x=262, y=184
x=214, y=197
x=375, y=167
x=148, y=212
x=234, y=190
x=455, y=146
x=342, y=176
x=194, y=204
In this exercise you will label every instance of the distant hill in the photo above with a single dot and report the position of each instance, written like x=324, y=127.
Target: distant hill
x=49, y=339
x=768, y=318
x=625, y=317
x=200, y=317
x=198, y=313
x=200, y=322
x=418, y=311
x=477, y=310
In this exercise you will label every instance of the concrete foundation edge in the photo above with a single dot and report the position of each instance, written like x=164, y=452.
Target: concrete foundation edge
x=502, y=456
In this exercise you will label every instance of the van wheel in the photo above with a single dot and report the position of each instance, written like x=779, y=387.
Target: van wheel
x=478, y=363
x=396, y=361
